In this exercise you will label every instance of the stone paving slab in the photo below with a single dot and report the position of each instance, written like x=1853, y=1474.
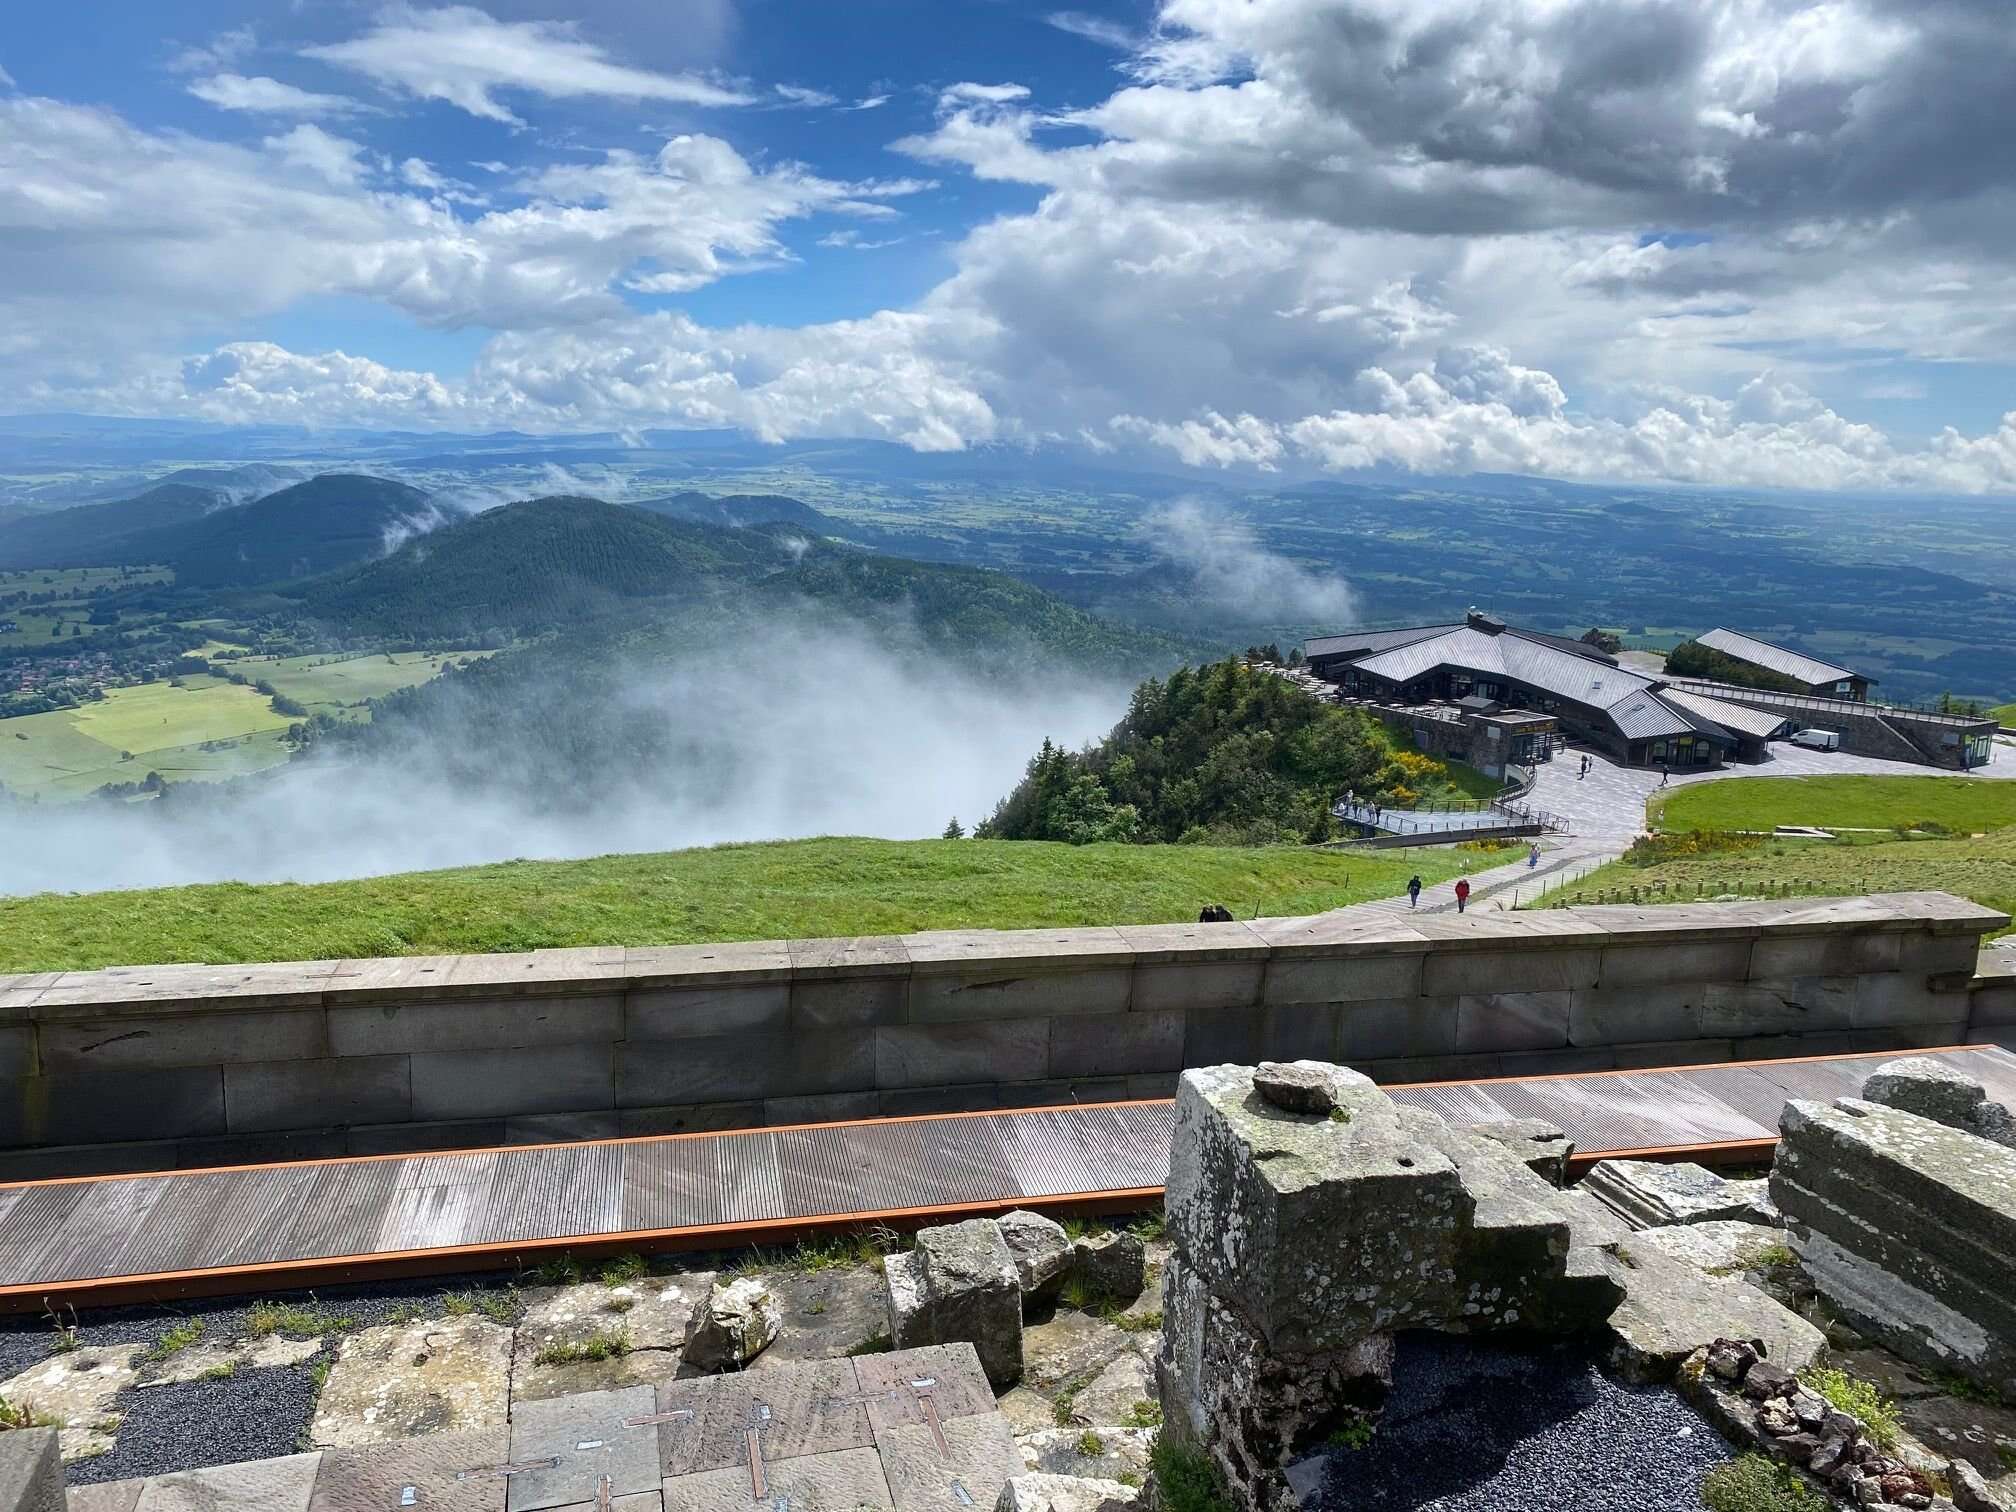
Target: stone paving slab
x=979, y=1458
x=588, y=1437
x=110, y=1496
x=275, y=1485
x=894, y=1382
x=433, y=1469
x=812, y=1408
x=844, y=1480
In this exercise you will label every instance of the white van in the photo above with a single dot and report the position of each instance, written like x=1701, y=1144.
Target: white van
x=1817, y=740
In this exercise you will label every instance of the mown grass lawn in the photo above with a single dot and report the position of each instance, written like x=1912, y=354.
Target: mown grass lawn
x=1983, y=870
x=789, y=889
x=1961, y=805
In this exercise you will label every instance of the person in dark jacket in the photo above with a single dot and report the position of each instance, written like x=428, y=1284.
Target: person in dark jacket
x=1413, y=891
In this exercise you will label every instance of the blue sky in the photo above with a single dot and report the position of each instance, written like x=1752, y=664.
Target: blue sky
x=1591, y=238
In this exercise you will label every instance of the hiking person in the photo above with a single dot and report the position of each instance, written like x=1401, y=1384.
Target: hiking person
x=1665, y=774
x=1532, y=855
x=1413, y=891
x=1462, y=893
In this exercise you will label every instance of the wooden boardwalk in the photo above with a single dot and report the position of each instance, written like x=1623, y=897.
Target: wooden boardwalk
x=246, y=1228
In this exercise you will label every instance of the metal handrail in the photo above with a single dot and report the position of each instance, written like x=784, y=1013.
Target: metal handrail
x=1708, y=688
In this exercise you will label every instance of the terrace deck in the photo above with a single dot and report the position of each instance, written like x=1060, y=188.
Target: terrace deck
x=114, y=1238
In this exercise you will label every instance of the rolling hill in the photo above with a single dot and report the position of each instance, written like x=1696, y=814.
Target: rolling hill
x=531, y=567
x=97, y=535
x=741, y=510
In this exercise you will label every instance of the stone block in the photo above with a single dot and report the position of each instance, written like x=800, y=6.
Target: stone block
x=1793, y=1005
x=572, y=968
x=272, y=1485
x=1670, y=1309
x=1113, y=1266
x=1343, y=978
x=401, y=1380
x=959, y=1285
x=258, y=1149
x=313, y=1094
x=1397, y=1028
x=1116, y=1044
x=839, y=1480
x=593, y=1444
x=719, y=1009
x=922, y=1478
x=850, y=1002
x=1536, y=968
x=1197, y=985
x=650, y=966
x=1007, y=994
x=109, y=1496
x=1777, y=956
x=562, y=1128
x=1038, y=1492
x=1654, y=1194
x=923, y=1055
x=1624, y=1015
x=1041, y=1252
x=1512, y=1021
x=17, y=1052
x=383, y=1028
x=967, y=1097
x=189, y=1039
x=1890, y=999
x=507, y=1083
x=1993, y=1007
x=408, y=1138
x=743, y=1067
x=94, y=1107
x=819, y=1107
x=1937, y=955
x=689, y=1118
x=119, y=991
x=1540, y=1146
x=86, y=1160
x=31, y=1471
x=1638, y=963
x=425, y=1473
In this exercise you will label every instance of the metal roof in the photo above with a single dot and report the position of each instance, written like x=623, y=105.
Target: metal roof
x=1365, y=642
x=1753, y=722
x=1643, y=716
x=1748, y=648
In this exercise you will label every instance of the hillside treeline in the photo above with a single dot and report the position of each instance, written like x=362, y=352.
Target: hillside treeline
x=1220, y=754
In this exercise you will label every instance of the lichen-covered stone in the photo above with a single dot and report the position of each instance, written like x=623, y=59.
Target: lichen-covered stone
x=403, y=1381
x=1544, y=1148
x=1309, y=1087
x=1063, y=1493
x=1906, y=1227
x=733, y=1325
x=76, y=1392
x=1041, y=1249
x=1942, y=1092
x=1671, y=1309
x=1654, y=1194
x=1724, y=1247
x=1112, y=1267
x=959, y=1286
x=1103, y=1452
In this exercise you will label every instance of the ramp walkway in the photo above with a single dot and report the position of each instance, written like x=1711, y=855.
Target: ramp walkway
x=105, y=1239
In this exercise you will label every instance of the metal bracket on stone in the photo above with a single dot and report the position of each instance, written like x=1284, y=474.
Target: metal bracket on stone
x=505, y=1472
x=652, y=1419
x=924, y=1388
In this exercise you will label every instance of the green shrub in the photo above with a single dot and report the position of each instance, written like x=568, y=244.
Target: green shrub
x=1859, y=1399
x=1187, y=1480
x=1755, y=1484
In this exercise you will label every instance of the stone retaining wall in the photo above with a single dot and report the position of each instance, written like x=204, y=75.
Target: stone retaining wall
x=144, y=1067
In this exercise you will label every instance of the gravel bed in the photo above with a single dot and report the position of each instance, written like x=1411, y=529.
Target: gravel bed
x=1479, y=1427
x=255, y=1414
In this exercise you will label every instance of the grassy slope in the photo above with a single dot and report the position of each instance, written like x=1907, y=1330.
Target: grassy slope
x=2006, y=713
x=69, y=752
x=1758, y=803
x=785, y=889
x=1983, y=869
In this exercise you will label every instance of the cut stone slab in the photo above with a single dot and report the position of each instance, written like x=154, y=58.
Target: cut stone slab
x=651, y=1312
x=813, y=1409
x=1657, y=1194
x=589, y=1438
x=400, y=1381
x=1027, y=1411
x=1544, y=1148
x=959, y=1285
x=1064, y=1493
x=31, y=1471
x=198, y=1360
x=273, y=1485
x=1670, y=1309
x=79, y=1390
x=365, y=1479
x=1042, y=1251
x=1308, y=1087
x=842, y=1480
x=950, y=1372
x=1113, y=1267
x=1126, y=1381
x=735, y=1323
x=1942, y=1092
x=924, y=1478
x=1061, y=1451
x=827, y=1314
x=1069, y=1346
x=107, y=1496
x=1721, y=1247
x=1906, y=1227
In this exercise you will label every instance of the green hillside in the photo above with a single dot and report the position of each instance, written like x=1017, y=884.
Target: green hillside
x=1959, y=804
x=531, y=567
x=96, y=535
x=741, y=510
x=313, y=527
x=783, y=890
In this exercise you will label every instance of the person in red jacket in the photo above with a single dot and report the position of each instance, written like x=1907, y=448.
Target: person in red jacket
x=1462, y=893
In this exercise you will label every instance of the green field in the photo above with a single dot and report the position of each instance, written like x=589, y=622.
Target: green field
x=1957, y=804
x=2006, y=713
x=70, y=752
x=733, y=892
x=35, y=623
x=1983, y=869
x=328, y=684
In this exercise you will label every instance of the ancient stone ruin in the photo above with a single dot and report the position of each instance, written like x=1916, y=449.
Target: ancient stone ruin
x=1313, y=1217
